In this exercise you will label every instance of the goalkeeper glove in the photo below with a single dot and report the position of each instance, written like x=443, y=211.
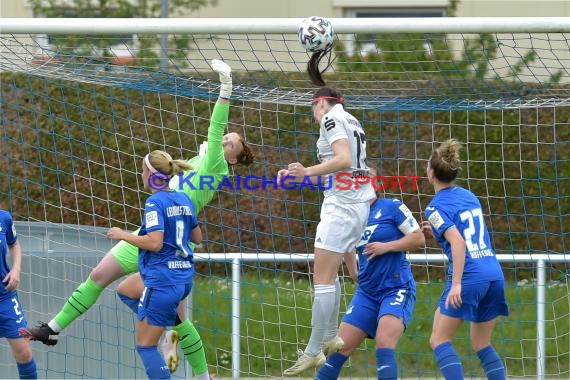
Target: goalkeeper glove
x=225, y=72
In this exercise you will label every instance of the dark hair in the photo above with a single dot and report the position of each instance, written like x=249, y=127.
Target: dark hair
x=315, y=74
x=445, y=161
x=331, y=95
x=246, y=156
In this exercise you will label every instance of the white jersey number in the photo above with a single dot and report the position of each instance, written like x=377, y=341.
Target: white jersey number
x=183, y=251
x=471, y=230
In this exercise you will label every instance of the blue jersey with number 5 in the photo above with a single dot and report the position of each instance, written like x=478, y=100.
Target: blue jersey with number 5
x=172, y=213
x=389, y=220
x=457, y=207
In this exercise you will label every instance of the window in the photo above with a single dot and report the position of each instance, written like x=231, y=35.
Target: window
x=368, y=41
x=118, y=49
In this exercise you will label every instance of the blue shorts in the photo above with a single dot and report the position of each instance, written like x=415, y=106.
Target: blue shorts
x=365, y=311
x=11, y=317
x=481, y=302
x=159, y=304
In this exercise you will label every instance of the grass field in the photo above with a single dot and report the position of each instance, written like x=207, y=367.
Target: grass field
x=275, y=319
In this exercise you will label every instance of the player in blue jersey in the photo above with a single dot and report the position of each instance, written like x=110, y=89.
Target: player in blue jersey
x=11, y=314
x=383, y=303
x=166, y=265
x=475, y=288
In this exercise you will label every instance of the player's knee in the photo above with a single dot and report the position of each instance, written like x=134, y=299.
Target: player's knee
x=103, y=276
x=98, y=275
x=22, y=351
x=479, y=344
x=386, y=342
x=434, y=341
x=122, y=289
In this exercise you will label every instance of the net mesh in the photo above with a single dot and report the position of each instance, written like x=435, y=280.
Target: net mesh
x=79, y=113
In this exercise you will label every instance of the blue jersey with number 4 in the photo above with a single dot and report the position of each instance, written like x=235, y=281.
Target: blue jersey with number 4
x=7, y=238
x=172, y=213
x=457, y=207
x=389, y=220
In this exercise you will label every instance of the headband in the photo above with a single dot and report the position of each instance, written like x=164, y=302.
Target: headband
x=148, y=165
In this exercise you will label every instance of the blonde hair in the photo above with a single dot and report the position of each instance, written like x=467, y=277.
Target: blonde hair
x=445, y=161
x=163, y=162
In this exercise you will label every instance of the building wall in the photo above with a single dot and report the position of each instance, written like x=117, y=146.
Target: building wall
x=15, y=8
x=340, y=8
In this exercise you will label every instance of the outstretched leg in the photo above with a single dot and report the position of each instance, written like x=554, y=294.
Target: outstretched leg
x=120, y=260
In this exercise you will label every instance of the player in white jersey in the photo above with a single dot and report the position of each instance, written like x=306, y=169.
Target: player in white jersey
x=344, y=213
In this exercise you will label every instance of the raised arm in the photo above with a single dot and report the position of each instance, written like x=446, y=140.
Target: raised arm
x=213, y=165
x=219, y=119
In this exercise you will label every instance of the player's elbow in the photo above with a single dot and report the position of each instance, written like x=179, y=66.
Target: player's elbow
x=155, y=246
x=196, y=236
x=343, y=159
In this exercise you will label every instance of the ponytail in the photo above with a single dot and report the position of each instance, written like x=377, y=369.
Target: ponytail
x=315, y=74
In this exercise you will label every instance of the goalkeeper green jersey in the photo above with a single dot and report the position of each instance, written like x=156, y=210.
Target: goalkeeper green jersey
x=211, y=165
x=210, y=168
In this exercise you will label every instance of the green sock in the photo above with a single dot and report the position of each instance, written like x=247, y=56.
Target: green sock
x=191, y=345
x=80, y=301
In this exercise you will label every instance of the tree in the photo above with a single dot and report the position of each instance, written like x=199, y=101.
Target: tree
x=432, y=58
x=144, y=48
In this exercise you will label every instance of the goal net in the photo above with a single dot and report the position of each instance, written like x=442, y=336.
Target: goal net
x=79, y=112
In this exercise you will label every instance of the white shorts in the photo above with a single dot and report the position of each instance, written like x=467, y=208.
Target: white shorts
x=341, y=225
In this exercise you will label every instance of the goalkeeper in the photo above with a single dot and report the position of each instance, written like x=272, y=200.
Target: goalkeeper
x=221, y=152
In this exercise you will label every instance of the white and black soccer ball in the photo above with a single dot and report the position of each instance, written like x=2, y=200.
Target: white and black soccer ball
x=316, y=33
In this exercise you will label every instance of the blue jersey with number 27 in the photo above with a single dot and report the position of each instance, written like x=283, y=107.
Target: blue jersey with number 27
x=457, y=207
x=172, y=213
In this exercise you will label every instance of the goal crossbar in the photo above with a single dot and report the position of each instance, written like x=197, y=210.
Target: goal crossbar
x=283, y=25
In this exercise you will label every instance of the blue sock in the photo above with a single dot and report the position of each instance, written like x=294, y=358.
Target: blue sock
x=492, y=363
x=132, y=303
x=387, y=366
x=331, y=369
x=448, y=361
x=28, y=370
x=153, y=362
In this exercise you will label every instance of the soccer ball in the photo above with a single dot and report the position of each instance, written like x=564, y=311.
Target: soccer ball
x=316, y=34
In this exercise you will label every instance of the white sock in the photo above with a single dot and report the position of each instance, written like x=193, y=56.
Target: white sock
x=323, y=307
x=332, y=326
